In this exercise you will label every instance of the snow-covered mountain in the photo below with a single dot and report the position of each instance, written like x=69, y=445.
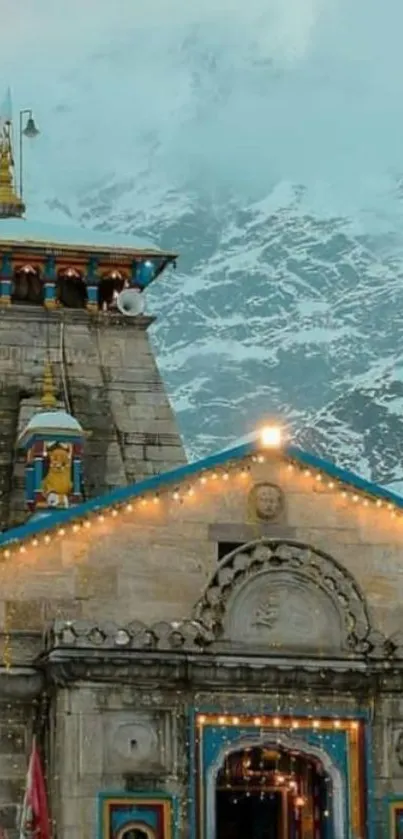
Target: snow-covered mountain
x=265, y=143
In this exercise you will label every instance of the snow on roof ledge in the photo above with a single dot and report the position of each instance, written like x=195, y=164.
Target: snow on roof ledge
x=27, y=231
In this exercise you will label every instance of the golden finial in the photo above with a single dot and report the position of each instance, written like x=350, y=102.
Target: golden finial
x=11, y=205
x=48, y=393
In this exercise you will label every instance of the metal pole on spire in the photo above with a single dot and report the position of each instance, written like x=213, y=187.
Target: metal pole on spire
x=6, y=109
x=11, y=204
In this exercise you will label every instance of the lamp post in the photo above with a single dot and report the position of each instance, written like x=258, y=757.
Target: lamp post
x=30, y=131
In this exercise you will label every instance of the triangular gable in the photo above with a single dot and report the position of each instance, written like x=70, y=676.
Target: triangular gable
x=113, y=502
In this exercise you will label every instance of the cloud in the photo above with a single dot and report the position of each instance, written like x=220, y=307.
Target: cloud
x=243, y=94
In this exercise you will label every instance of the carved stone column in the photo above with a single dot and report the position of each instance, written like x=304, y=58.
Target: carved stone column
x=49, y=277
x=6, y=280
x=91, y=279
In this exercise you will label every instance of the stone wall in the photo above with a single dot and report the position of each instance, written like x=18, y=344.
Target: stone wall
x=151, y=562
x=121, y=737
x=115, y=739
x=106, y=375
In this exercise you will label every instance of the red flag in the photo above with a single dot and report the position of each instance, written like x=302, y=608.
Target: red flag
x=35, y=817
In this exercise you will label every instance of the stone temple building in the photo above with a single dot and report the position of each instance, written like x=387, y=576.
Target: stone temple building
x=209, y=650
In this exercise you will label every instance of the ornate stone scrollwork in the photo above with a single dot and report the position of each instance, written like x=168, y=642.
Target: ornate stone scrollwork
x=175, y=636
x=288, y=598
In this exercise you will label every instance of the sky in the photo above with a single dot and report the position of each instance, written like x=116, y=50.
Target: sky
x=247, y=95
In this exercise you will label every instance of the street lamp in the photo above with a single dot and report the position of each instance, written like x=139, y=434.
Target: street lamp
x=30, y=131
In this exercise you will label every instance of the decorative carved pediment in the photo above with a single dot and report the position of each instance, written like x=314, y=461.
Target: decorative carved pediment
x=165, y=636
x=287, y=598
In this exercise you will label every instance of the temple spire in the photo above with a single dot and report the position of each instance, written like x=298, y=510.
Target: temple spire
x=11, y=205
x=48, y=399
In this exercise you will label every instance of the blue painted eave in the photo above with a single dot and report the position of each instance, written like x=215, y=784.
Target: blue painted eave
x=177, y=476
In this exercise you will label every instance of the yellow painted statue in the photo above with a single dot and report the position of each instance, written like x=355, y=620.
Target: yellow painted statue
x=57, y=484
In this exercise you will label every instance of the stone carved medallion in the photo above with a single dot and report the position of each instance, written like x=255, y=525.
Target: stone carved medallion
x=131, y=743
x=265, y=501
x=285, y=596
x=283, y=612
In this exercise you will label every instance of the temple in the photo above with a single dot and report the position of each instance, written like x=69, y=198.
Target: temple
x=205, y=650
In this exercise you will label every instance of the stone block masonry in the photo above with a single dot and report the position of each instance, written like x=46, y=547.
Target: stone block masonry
x=106, y=376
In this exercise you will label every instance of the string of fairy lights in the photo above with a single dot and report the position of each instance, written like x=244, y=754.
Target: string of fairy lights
x=189, y=490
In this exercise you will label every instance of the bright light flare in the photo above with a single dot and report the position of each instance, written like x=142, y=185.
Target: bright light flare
x=271, y=436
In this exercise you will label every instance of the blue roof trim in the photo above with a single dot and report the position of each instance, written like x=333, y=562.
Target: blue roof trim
x=176, y=476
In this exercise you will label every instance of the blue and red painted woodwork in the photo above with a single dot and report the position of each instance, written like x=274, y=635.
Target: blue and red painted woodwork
x=156, y=812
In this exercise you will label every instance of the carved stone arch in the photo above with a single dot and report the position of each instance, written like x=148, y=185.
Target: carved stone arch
x=136, y=830
x=287, y=597
x=297, y=744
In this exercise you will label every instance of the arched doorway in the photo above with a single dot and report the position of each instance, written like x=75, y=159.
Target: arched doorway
x=136, y=831
x=71, y=290
x=275, y=789
x=27, y=286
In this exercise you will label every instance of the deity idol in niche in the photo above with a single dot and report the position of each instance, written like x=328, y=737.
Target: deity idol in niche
x=57, y=484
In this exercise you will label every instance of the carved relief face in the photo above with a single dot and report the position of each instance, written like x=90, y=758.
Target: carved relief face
x=267, y=501
x=399, y=749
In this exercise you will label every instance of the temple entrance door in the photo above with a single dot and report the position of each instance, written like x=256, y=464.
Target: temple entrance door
x=271, y=793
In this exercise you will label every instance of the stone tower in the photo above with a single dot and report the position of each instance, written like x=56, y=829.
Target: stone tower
x=59, y=304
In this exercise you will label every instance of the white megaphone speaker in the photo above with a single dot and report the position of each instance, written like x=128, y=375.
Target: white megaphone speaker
x=130, y=303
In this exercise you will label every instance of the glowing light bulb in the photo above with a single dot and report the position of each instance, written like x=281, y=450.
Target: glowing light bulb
x=222, y=720
x=34, y=543
x=47, y=539
x=7, y=553
x=129, y=508
x=271, y=436
x=257, y=721
x=203, y=479
x=175, y=496
x=201, y=718
x=276, y=721
x=23, y=549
